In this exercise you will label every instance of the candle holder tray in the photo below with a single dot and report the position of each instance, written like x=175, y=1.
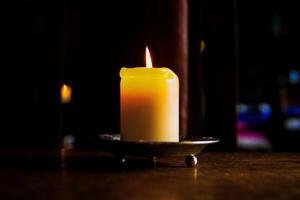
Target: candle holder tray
x=188, y=147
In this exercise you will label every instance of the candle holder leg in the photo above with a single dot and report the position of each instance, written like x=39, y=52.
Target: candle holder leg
x=191, y=160
x=153, y=160
x=121, y=159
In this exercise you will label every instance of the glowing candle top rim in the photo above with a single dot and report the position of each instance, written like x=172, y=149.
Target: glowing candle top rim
x=142, y=72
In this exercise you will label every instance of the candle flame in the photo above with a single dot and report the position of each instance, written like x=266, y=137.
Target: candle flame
x=148, y=59
x=66, y=93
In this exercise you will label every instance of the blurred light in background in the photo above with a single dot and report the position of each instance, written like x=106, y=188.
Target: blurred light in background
x=242, y=108
x=292, y=111
x=253, y=113
x=250, y=118
x=265, y=109
x=292, y=121
x=66, y=94
x=253, y=140
x=68, y=142
x=202, y=46
x=294, y=76
x=292, y=124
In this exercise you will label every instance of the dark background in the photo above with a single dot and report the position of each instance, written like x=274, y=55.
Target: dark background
x=250, y=48
x=31, y=53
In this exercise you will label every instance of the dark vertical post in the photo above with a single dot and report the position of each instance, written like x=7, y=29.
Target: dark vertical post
x=220, y=76
x=196, y=77
x=168, y=33
x=213, y=70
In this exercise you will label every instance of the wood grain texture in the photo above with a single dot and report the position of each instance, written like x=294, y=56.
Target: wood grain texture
x=218, y=176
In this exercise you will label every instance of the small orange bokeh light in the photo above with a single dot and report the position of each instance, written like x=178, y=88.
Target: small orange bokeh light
x=65, y=94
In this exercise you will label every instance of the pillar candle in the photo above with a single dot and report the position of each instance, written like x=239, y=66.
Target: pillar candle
x=149, y=100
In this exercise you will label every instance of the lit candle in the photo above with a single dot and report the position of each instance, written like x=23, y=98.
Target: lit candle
x=149, y=103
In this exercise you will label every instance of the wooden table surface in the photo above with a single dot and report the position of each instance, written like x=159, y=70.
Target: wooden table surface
x=239, y=175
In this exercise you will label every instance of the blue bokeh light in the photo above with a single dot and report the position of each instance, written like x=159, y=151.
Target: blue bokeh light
x=294, y=76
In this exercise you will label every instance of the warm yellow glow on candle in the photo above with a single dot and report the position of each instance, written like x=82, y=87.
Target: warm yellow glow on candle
x=66, y=94
x=149, y=99
x=148, y=59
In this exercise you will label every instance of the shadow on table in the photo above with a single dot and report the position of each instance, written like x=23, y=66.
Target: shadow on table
x=83, y=161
